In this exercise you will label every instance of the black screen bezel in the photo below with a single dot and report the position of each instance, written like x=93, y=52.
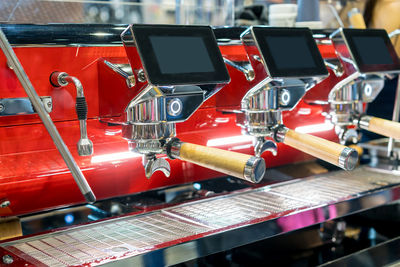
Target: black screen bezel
x=150, y=63
x=261, y=32
x=364, y=68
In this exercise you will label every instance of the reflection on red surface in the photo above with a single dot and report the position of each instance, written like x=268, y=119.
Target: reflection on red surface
x=33, y=175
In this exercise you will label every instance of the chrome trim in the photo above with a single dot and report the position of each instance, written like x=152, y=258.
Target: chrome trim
x=129, y=78
x=335, y=66
x=341, y=84
x=174, y=149
x=86, y=35
x=22, y=106
x=348, y=159
x=254, y=91
x=47, y=122
x=247, y=71
x=152, y=164
x=63, y=35
x=148, y=131
x=280, y=134
x=347, y=135
x=363, y=122
x=344, y=114
x=261, y=145
x=254, y=169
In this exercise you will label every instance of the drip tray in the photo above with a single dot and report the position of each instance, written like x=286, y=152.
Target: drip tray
x=291, y=205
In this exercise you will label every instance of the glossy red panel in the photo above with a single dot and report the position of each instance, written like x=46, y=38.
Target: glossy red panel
x=33, y=174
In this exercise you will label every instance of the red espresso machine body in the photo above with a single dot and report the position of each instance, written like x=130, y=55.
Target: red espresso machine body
x=160, y=221
x=33, y=175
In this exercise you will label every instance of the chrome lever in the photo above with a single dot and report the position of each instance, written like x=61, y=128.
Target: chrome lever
x=246, y=70
x=261, y=145
x=60, y=79
x=152, y=164
x=336, y=67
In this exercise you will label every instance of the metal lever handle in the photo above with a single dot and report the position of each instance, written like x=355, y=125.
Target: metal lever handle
x=240, y=165
x=339, y=155
x=47, y=122
x=380, y=126
x=58, y=79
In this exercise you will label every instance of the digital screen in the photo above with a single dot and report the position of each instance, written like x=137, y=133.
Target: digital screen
x=181, y=54
x=290, y=52
x=372, y=50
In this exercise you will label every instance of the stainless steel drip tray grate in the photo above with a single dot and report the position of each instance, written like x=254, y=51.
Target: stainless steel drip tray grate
x=237, y=209
x=336, y=186
x=98, y=242
x=124, y=237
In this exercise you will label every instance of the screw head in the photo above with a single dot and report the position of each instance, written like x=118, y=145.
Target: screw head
x=5, y=204
x=141, y=76
x=2, y=107
x=131, y=81
x=8, y=259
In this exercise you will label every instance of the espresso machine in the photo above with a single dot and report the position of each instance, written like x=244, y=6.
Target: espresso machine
x=181, y=67
x=142, y=91
x=291, y=64
x=365, y=75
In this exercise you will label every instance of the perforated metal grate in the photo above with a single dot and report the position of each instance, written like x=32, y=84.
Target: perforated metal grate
x=336, y=186
x=133, y=235
x=97, y=242
x=231, y=210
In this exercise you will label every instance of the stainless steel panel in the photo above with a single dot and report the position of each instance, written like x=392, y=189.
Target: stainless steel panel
x=210, y=225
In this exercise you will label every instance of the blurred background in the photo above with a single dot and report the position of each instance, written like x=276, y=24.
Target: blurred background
x=331, y=13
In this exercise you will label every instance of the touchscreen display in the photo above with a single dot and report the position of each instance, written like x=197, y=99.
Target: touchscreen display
x=372, y=50
x=175, y=54
x=289, y=52
x=180, y=55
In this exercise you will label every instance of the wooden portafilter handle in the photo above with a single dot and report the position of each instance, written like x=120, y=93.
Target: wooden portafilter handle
x=336, y=154
x=247, y=167
x=379, y=126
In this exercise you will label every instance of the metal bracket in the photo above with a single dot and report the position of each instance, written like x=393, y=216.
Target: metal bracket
x=23, y=106
x=125, y=71
x=152, y=164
